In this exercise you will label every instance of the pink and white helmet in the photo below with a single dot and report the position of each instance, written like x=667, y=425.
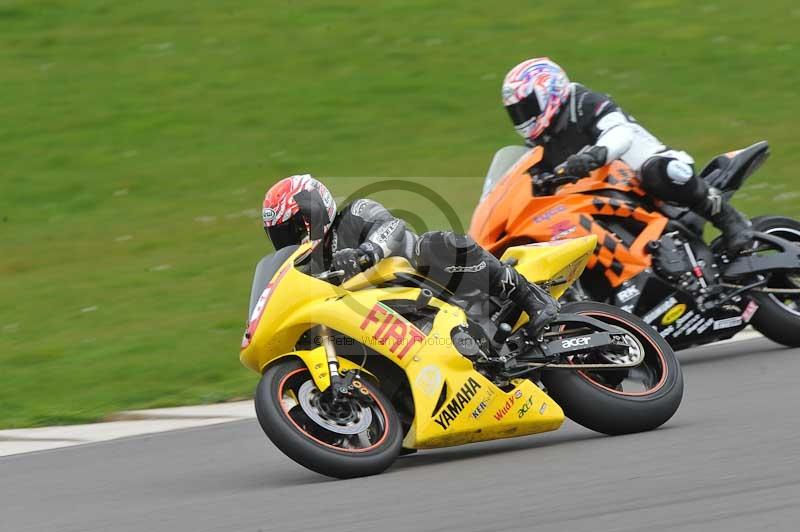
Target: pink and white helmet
x=297, y=209
x=533, y=93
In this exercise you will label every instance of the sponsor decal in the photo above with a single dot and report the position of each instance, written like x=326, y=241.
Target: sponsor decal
x=627, y=294
x=542, y=409
x=507, y=285
x=469, y=269
x=728, y=323
x=575, y=342
x=669, y=330
x=358, y=207
x=387, y=327
x=562, y=229
x=749, y=311
x=525, y=407
x=706, y=324
x=384, y=232
x=429, y=380
x=258, y=310
x=268, y=215
x=327, y=199
x=563, y=234
x=685, y=318
x=451, y=410
x=627, y=308
x=482, y=405
x=500, y=414
x=694, y=327
x=673, y=314
x=660, y=309
x=687, y=324
x=549, y=214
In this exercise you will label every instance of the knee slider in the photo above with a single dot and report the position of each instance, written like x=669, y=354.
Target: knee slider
x=670, y=179
x=679, y=172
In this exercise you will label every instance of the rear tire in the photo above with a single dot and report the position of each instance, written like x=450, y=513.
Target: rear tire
x=776, y=319
x=320, y=447
x=587, y=401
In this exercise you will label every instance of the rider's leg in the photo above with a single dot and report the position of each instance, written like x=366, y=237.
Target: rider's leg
x=673, y=180
x=459, y=263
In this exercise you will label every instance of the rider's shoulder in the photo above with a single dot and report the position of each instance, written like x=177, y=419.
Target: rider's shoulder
x=362, y=207
x=591, y=104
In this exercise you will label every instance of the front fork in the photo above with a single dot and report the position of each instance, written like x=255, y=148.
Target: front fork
x=342, y=386
x=330, y=352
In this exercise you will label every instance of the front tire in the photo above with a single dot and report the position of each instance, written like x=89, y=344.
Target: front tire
x=615, y=402
x=343, y=440
x=778, y=317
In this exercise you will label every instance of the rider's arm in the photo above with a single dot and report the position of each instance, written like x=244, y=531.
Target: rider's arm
x=387, y=235
x=614, y=139
x=616, y=134
x=599, y=116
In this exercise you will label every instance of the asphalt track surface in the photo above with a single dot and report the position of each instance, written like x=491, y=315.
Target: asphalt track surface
x=729, y=460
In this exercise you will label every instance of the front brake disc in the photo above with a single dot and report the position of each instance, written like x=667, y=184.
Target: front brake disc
x=357, y=421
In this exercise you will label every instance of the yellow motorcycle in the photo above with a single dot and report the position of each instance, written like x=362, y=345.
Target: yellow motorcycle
x=389, y=361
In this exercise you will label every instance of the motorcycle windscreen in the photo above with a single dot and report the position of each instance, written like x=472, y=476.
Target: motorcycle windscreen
x=502, y=162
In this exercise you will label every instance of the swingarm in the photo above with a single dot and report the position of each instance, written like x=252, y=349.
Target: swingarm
x=580, y=342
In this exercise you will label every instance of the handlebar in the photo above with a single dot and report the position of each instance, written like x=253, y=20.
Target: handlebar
x=546, y=182
x=324, y=276
x=364, y=262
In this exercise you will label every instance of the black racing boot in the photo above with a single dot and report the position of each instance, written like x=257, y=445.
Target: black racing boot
x=537, y=303
x=737, y=232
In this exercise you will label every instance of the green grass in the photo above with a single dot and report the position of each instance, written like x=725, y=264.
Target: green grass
x=136, y=140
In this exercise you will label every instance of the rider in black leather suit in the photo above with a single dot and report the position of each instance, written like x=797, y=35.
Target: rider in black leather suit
x=364, y=232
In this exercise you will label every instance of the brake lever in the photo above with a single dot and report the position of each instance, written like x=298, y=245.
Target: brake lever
x=548, y=183
x=324, y=276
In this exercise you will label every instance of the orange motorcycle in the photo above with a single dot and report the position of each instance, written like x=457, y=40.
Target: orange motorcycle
x=651, y=258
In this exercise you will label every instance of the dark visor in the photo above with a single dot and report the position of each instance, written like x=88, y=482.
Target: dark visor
x=523, y=110
x=291, y=232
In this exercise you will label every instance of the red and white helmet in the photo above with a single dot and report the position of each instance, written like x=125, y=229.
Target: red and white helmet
x=533, y=93
x=297, y=209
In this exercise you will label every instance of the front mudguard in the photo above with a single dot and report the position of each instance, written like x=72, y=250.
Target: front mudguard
x=317, y=363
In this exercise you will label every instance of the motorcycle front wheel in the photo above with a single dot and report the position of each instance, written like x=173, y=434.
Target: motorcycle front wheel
x=355, y=436
x=620, y=401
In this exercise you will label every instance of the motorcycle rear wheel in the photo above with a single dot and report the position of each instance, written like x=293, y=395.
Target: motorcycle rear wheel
x=600, y=401
x=356, y=438
x=778, y=317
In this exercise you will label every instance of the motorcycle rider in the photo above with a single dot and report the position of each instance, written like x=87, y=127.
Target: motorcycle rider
x=300, y=209
x=584, y=130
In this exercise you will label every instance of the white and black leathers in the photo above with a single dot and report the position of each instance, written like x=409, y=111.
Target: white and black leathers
x=591, y=130
x=591, y=118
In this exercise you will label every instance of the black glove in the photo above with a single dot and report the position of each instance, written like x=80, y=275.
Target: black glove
x=583, y=162
x=351, y=261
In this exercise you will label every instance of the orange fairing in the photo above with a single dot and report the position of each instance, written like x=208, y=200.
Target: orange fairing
x=510, y=215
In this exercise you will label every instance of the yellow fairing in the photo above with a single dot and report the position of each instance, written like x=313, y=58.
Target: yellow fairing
x=316, y=361
x=560, y=262
x=453, y=403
